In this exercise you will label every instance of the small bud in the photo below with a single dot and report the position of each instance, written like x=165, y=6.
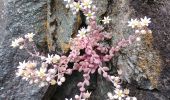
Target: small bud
x=48, y=79
x=76, y=96
x=138, y=39
x=53, y=82
x=137, y=31
x=59, y=83
x=105, y=75
x=109, y=94
x=150, y=31
x=63, y=79
x=143, y=31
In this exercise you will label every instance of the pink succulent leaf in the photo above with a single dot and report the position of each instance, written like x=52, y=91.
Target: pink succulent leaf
x=99, y=71
x=105, y=68
x=87, y=82
x=107, y=57
x=69, y=71
x=93, y=71
x=86, y=70
x=105, y=74
x=82, y=89
x=79, y=84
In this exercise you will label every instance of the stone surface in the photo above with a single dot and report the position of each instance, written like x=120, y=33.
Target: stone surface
x=146, y=68
x=21, y=16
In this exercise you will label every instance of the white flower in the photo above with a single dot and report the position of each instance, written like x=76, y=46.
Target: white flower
x=29, y=36
x=106, y=20
x=86, y=4
x=87, y=95
x=82, y=32
x=118, y=94
x=49, y=59
x=89, y=15
x=145, y=21
x=133, y=23
x=76, y=7
x=17, y=42
x=56, y=58
x=22, y=65
x=69, y=3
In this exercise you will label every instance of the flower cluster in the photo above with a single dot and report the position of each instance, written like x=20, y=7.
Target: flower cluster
x=19, y=42
x=29, y=71
x=83, y=5
x=119, y=93
x=140, y=26
x=139, y=23
x=88, y=54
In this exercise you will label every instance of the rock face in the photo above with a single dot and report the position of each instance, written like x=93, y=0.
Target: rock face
x=145, y=67
x=21, y=16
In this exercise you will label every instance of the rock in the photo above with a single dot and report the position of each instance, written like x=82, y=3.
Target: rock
x=62, y=25
x=21, y=17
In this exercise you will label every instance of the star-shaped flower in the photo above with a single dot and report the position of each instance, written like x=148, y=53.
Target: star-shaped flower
x=82, y=32
x=29, y=36
x=106, y=20
x=145, y=21
x=133, y=23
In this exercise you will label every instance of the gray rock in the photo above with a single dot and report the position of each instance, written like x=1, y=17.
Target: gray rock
x=21, y=17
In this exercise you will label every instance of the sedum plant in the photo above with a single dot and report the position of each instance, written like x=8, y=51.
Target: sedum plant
x=87, y=53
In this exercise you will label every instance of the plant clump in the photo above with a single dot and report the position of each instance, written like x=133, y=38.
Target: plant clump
x=87, y=53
